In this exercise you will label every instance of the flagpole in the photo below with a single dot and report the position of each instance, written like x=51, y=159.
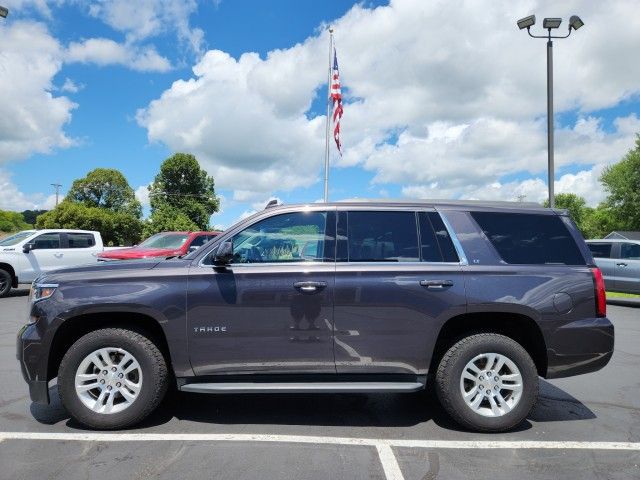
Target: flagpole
x=328, y=128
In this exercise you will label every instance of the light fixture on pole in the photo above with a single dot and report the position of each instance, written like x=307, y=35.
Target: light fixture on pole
x=4, y=11
x=550, y=24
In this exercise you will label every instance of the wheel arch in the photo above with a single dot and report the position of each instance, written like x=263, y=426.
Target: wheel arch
x=517, y=326
x=75, y=327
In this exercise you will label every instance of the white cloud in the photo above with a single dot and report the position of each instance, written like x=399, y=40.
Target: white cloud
x=71, y=86
x=460, y=159
x=31, y=117
x=142, y=19
x=104, y=51
x=584, y=183
x=142, y=194
x=236, y=130
x=428, y=102
x=11, y=198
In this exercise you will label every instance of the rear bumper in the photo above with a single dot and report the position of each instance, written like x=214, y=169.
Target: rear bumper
x=580, y=347
x=29, y=352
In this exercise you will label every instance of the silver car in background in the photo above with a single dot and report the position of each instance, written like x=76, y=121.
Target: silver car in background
x=619, y=261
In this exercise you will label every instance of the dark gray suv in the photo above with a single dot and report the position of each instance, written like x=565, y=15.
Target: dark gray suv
x=479, y=298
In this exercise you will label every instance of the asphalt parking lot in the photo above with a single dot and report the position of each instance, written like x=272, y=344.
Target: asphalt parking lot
x=587, y=427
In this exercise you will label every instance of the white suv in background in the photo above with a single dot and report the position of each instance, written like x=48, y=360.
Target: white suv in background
x=29, y=253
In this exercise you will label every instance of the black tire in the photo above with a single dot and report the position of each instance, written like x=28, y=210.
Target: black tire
x=6, y=281
x=154, y=373
x=450, y=369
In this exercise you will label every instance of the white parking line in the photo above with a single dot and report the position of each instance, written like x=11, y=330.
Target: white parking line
x=233, y=437
x=383, y=446
x=389, y=462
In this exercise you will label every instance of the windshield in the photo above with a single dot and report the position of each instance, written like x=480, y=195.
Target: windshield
x=16, y=238
x=165, y=240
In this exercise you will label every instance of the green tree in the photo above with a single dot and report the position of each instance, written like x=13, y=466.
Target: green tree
x=599, y=222
x=184, y=191
x=101, y=201
x=105, y=188
x=116, y=228
x=12, y=222
x=575, y=204
x=31, y=215
x=622, y=184
x=167, y=218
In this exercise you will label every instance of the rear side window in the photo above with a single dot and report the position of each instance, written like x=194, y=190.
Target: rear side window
x=600, y=250
x=435, y=242
x=529, y=239
x=80, y=240
x=382, y=237
x=630, y=251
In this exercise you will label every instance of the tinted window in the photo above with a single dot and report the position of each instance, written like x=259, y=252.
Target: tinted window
x=80, y=240
x=199, y=241
x=47, y=241
x=600, y=250
x=290, y=237
x=436, y=244
x=630, y=251
x=529, y=238
x=382, y=237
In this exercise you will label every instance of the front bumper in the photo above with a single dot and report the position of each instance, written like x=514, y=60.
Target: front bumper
x=579, y=347
x=33, y=363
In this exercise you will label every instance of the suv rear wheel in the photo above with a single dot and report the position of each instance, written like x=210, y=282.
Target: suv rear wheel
x=112, y=378
x=487, y=382
x=6, y=280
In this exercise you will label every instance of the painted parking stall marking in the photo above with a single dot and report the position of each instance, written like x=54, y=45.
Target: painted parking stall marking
x=384, y=447
x=374, y=442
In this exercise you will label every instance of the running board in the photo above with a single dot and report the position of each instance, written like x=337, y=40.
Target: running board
x=308, y=387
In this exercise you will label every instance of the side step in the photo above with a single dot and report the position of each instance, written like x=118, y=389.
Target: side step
x=302, y=387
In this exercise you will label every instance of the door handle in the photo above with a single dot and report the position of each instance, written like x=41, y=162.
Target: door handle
x=621, y=264
x=309, y=287
x=436, y=284
x=58, y=255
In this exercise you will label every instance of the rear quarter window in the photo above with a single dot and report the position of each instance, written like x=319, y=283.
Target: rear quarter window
x=530, y=239
x=600, y=250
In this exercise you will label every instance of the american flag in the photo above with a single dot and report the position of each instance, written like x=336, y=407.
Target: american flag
x=336, y=96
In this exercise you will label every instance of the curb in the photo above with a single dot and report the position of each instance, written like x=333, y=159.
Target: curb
x=624, y=302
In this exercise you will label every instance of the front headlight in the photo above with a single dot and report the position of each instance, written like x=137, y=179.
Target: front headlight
x=40, y=291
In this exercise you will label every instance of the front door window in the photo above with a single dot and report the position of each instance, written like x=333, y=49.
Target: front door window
x=286, y=238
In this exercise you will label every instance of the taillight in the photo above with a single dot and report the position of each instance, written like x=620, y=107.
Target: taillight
x=601, y=296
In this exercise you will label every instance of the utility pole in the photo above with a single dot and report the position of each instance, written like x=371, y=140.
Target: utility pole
x=57, y=187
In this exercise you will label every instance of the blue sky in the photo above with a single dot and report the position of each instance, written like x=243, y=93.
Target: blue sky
x=432, y=109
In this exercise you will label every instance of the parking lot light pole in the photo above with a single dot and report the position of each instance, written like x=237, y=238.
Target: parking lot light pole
x=550, y=24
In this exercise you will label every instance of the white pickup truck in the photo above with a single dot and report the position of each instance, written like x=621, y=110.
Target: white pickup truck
x=27, y=254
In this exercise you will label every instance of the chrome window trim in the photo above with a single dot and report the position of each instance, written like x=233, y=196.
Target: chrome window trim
x=456, y=243
x=405, y=264
x=454, y=238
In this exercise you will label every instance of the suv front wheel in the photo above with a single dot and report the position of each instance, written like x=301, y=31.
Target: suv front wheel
x=112, y=378
x=487, y=382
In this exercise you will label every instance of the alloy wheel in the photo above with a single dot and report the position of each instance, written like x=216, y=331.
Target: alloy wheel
x=108, y=380
x=491, y=384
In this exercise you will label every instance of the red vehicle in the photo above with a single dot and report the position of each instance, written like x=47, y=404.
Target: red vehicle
x=163, y=244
